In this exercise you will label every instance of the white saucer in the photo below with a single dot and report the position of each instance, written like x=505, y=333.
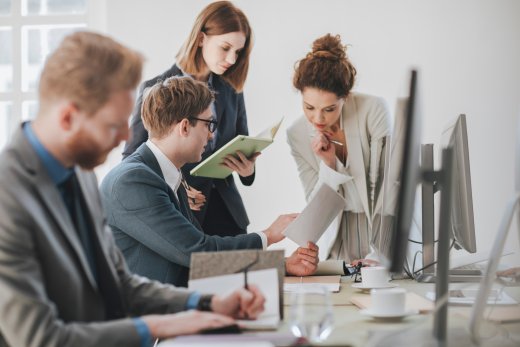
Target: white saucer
x=393, y=316
x=383, y=286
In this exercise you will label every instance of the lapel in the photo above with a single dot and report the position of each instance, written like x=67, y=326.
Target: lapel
x=355, y=150
x=53, y=200
x=220, y=100
x=148, y=158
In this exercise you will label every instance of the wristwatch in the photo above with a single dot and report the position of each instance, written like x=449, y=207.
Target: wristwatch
x=205, y=303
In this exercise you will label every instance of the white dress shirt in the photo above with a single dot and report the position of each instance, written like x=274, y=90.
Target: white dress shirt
x=173, y=176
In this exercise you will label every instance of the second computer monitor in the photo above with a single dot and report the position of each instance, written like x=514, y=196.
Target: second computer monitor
x=455, y=136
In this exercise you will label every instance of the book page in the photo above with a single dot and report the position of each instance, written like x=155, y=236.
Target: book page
x=271, y=131
x=266, y=280
x=316, y=216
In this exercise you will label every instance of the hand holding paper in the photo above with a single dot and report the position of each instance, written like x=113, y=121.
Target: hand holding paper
x=316, y=216
x=275, y=232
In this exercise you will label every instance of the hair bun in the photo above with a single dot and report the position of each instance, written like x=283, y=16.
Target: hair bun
x=329, y=47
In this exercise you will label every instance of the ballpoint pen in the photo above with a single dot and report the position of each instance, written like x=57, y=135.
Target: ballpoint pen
x=333, y=141
x=245, y=278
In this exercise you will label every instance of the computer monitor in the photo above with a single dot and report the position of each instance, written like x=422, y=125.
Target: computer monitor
x=461, y=227
x=407, y=160
x=512, y=209
x=462, y=224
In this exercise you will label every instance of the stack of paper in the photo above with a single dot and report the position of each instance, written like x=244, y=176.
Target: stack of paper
x=414, y=302
x=312, y=284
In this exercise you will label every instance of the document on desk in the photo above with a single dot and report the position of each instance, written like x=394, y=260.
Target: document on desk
x=266, y=280
x=316, y=216
x=312, y=284
x=467, y=296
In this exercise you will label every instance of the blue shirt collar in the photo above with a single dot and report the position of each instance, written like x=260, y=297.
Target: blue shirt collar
x=55, y=169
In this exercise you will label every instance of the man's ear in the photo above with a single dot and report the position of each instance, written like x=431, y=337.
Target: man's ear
x=68, y=114
x=184, y=127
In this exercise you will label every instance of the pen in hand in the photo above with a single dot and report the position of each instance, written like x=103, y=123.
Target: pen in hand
x=333, y=141
x=246, y=286
x=245, y=280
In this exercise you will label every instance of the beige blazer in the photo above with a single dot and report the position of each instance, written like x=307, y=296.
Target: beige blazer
x=365, y=122
x=48, y=296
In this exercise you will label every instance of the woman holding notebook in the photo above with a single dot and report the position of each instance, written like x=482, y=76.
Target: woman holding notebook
x=339, y=142
x=216, y=52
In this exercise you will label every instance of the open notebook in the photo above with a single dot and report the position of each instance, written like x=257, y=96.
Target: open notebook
x=212, y=166
x=266, y=280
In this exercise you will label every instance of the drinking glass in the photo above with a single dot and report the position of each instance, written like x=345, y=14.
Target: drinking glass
x=310, y=314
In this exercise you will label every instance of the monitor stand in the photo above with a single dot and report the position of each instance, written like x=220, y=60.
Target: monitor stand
x=429, y=187
x=457, y=333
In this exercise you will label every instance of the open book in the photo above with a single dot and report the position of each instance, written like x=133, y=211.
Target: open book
x=266, y=280
x=212, y=166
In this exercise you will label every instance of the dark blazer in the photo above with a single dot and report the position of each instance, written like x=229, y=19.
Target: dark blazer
x=48, y=293
x=153, y=231
x=232, y=118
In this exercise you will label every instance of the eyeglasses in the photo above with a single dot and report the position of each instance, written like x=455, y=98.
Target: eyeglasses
x=356, y=272
x=212, y=124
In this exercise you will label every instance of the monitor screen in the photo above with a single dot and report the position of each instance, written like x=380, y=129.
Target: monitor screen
x=455, y=136
x=408, y=169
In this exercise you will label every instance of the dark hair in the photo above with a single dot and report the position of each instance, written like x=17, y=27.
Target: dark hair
x=169, y=102
x=326, y=67
x=218, y=18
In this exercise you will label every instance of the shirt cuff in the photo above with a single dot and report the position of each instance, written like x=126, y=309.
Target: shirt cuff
x=263, y=237
x=193, y=301
x=332, y=177
x=143, y=331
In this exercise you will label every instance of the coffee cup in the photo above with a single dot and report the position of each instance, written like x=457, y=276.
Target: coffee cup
x=388, y=301
x=374, y=276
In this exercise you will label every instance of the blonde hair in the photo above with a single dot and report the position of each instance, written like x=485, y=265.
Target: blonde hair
x=87, y=68
x=326, y=67
x=218, y=18
x=169, y=102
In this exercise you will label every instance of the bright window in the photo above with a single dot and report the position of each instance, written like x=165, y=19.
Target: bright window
x=29, y=31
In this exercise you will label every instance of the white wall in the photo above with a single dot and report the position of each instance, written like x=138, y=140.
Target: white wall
x=468, y=52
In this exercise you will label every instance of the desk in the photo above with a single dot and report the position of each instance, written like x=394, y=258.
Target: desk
x=353, y=329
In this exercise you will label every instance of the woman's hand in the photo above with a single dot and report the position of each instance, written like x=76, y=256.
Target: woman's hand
x=324, y=149
x=241, y=164
x=195, y=198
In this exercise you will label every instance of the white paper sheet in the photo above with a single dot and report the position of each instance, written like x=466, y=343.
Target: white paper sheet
x=310, y=287
x=316, y=216
x=468, y=296
x=266, y=280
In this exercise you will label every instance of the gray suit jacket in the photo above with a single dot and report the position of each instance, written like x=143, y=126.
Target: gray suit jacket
x=232, y=121
x=156, y=235
x=48, y=294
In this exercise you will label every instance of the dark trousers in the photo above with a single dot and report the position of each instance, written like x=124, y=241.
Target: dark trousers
x=218, y=220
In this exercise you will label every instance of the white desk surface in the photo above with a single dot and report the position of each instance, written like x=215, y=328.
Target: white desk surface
x=353, y=329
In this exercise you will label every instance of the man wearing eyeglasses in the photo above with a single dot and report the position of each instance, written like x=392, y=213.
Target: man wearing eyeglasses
x=147, y=203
